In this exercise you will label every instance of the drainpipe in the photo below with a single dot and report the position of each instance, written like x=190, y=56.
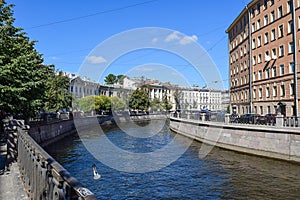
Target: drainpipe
x=250, y=60
x=295, y=60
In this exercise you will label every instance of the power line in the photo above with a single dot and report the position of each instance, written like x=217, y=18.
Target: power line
x=91, y=15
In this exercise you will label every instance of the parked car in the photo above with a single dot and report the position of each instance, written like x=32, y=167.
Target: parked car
x=248, y=118
x=267, y=119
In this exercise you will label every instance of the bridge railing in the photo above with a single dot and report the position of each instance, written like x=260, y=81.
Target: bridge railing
x=42, y=176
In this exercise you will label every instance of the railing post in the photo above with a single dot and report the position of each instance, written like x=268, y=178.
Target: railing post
x=227, y=118
x=203, y=117
x=279, y=121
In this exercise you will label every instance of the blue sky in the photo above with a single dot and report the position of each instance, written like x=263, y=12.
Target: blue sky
x=68, y=31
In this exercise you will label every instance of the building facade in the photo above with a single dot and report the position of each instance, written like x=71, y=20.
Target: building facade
x=264, y=56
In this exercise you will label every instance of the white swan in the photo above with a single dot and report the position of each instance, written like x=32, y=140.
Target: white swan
x=96, y=175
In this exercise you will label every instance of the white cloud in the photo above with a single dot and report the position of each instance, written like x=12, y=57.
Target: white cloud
x=183, y=40
x=154, y=40
x=188, y=39
x=96, y=59
x=173, y=36
x=54, y=58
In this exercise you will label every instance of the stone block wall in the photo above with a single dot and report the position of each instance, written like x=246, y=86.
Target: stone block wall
x=259, y=140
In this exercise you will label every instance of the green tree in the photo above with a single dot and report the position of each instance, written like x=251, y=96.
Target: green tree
x=166, y=104
x=117, y=104
x=103, y=103
x=155, y=104
x=139, y=100
x=87, y=104
x=22, y=74
x=110, y=79
x=120, y=79
x=57, y=94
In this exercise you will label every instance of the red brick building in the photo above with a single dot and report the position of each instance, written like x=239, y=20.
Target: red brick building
x=264, y=57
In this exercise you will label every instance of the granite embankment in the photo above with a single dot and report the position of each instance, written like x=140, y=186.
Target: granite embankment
x=279, y=143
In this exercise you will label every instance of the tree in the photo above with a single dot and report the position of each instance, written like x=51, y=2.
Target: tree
x=177, y=96
x=87, y=104
x=139, y=100
x=165, y=103
x=57, y=93
x=110, y=79
x=22, y=74
x=155, y=104
x=117, y=104
x=103, y=103
x=120, y=79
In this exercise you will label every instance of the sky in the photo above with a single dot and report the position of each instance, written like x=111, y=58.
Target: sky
x=102, y=37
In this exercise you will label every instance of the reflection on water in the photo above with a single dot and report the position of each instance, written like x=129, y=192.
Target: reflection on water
x=221, y=175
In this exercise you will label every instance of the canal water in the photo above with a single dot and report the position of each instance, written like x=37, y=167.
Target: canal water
x=222, y=174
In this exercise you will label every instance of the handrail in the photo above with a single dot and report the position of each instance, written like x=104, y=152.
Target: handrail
x=43, y=176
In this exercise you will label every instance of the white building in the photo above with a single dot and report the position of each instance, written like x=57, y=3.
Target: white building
x=198, y=99
x=82, y=87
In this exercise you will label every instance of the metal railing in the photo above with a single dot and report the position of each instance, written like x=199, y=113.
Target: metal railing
x=278, y=121
x=42, y=176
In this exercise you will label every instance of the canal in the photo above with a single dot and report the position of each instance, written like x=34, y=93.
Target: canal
x=222, y=174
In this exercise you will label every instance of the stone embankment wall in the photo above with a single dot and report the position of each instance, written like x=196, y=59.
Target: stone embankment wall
x=52, y=132
x=279, y=143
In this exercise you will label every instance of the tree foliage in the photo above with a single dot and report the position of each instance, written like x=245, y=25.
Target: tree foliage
x=155, y=104
x=91, y=103
x=110, y=79
x=165, y=103
x=22, y=74
x=117, y=104
x=139, y=100
x=57, y=93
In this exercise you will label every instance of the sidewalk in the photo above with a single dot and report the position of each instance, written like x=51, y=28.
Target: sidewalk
x=11, y=186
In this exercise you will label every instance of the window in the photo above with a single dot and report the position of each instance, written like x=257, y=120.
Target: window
x=274, y=54
x=274, y=72
x=258, y=24
x=259, y=74
x=253, y=44
x=289, y=7
x=290, y=26
x=254, y=60
x=268, y=109
x=279, y=11
x=261, y=110
x=272, y=2
x=274, y=91
x=259, y=58
x=282, y=91
x=254, y=94
x=266, y=38
x=291, y=47
x=253, y=27
x=266, y=20
x=281, y=50
x=267, y=56
x=260, y=93
x=268, y=73
x=258, y=8
x=299, y=21
x=292, y=88
x=292, y=67
x=267, y=92
x=253, y=12
x=259, y=41
x=272, y=16
x=280, y=31
x=273, y=35
x=265, y=4
x=281, y=70
x=254, y=76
